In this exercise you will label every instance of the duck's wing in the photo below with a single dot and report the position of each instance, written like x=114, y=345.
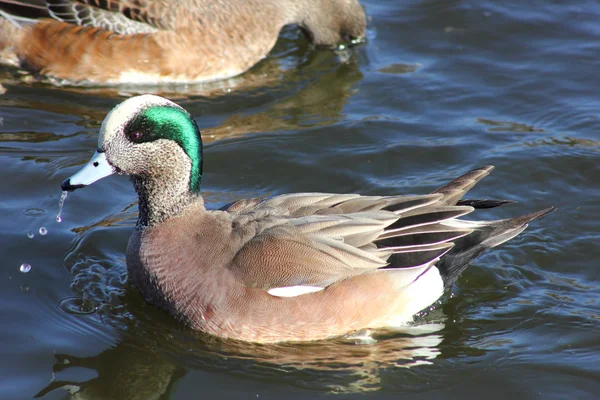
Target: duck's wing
x=118, y=16
x=300, y=243
x=309, y=241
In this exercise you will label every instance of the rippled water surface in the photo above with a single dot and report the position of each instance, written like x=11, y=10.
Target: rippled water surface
x=440, y=87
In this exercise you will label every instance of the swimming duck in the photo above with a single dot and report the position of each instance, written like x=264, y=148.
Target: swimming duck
x=150, y=41
x=293, y=267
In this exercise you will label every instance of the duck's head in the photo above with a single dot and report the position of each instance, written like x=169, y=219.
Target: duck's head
x=331, y=22
x=150, y=138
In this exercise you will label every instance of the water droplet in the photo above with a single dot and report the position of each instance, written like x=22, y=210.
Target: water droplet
x=30, y=235
x=25, y=268
x=43, y=231
x=61, y=203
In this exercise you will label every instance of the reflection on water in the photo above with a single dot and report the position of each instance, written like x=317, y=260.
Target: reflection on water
x=123, y=371
x=120, y=372
x=507, y=126
x=316, y=102
x=319, y=103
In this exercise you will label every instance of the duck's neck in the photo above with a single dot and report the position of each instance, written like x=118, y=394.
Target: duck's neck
x=162, y=196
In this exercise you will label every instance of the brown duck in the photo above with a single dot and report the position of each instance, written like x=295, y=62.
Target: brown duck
x=150, y=41
x=293, y=267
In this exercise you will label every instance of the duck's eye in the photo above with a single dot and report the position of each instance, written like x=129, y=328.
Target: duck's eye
x=134, y=136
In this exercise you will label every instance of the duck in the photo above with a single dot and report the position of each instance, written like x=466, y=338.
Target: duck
x=288, y=268
x=162, y=41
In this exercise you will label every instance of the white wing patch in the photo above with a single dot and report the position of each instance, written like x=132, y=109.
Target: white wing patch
x=293, y=291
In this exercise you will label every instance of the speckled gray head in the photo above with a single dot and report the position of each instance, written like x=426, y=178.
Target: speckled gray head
x=145, y=136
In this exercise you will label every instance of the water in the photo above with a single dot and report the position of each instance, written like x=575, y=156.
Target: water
x=61, y=204
x=439, y=88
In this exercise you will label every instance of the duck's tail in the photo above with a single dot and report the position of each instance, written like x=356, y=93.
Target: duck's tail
x=485, y=234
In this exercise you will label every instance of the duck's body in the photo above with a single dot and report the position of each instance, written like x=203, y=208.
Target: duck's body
x=151, y=41
x=294, y=267
x=224, y=294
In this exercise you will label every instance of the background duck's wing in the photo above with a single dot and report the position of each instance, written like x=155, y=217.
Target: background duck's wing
x=22, y=12
x=118, y=16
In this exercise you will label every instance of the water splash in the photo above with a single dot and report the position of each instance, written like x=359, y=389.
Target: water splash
x=61, y=203
x=77, y=306
x=43, y=231
x=25, y=268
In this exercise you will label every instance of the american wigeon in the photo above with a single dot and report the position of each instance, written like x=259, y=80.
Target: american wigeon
x=294, y=267
x=151, y=41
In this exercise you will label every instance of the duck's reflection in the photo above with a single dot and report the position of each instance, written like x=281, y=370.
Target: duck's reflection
x=144, y=367
x=121, y=372
x=318, y=103
x=290, y=100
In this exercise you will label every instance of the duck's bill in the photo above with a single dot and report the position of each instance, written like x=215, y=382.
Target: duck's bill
x=95, y=169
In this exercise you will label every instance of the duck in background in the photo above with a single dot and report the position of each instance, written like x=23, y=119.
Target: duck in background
x=162, y=41
x=294, y=267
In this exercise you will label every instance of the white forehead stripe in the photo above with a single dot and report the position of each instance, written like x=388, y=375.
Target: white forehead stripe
x=124, y=112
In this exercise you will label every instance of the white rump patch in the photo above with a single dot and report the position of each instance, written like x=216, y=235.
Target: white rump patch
x=292, y=291
x=424, y=291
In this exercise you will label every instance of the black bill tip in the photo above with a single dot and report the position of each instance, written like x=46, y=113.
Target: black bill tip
x=67, y=187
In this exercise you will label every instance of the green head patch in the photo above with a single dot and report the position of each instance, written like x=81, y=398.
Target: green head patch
x=173, y=123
